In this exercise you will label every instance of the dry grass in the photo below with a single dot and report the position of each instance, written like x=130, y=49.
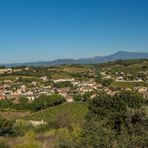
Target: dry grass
x=12, y=115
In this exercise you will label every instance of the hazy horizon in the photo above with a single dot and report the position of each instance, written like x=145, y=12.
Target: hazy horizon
x=48, y=60
x=43, y=30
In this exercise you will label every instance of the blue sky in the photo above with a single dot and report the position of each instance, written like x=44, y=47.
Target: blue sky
x=34, y=30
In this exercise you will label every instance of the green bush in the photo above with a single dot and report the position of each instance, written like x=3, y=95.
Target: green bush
x=47, y=101
x=5, y=103
x=33, y=144
x=5, y=127
x=78, y=98
x=63, y=84
x=21, y=127
x=116, y=121
x=3, y=144
x=131, y=99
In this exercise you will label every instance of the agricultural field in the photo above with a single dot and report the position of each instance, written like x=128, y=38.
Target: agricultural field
x=60, y=76
x=76, y=69
x=77, y=111
x=128, y=66
x=130, y=69
x=129, y=84
x=9, y=77
x=65, y=71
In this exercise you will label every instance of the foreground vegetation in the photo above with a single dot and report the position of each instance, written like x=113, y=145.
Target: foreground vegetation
x=105, y=121
x=76, y=111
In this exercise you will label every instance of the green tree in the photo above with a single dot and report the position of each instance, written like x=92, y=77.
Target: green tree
x=112, y=121
x=23, y=100
x=86, y=96
x=78, y=98
x=106, y=82
x=68, y=138
x=131, y=99
x=21, y=127
x=63, y=120
x=47, y=101
x=63, y=84
x=5, y=127
x=5, y=103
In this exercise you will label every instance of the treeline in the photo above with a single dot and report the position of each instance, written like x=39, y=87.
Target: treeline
x=39, y=103
x=63, y=84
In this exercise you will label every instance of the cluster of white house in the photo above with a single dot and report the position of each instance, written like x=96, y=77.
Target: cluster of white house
x=80, y=87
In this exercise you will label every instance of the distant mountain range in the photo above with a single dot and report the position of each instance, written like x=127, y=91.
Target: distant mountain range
x=122, y=55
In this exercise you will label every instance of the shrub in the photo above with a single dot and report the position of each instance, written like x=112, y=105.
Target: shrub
x=33, y=144
x=21, y=127
x=131, y=99
x=77, y=98
x=63, y=120
x=47, y=101
x=5, y=127
x=117, y=121
x=3, y=144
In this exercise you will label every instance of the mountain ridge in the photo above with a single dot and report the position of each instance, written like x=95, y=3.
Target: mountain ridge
x=120, y=55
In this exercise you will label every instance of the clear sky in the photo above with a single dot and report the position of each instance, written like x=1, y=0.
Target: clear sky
x=34, y=30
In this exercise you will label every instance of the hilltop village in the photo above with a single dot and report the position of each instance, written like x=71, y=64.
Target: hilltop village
x=73, y=81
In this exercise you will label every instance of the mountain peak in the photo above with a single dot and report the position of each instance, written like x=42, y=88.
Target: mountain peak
x=120, y=55
x=123, y=52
